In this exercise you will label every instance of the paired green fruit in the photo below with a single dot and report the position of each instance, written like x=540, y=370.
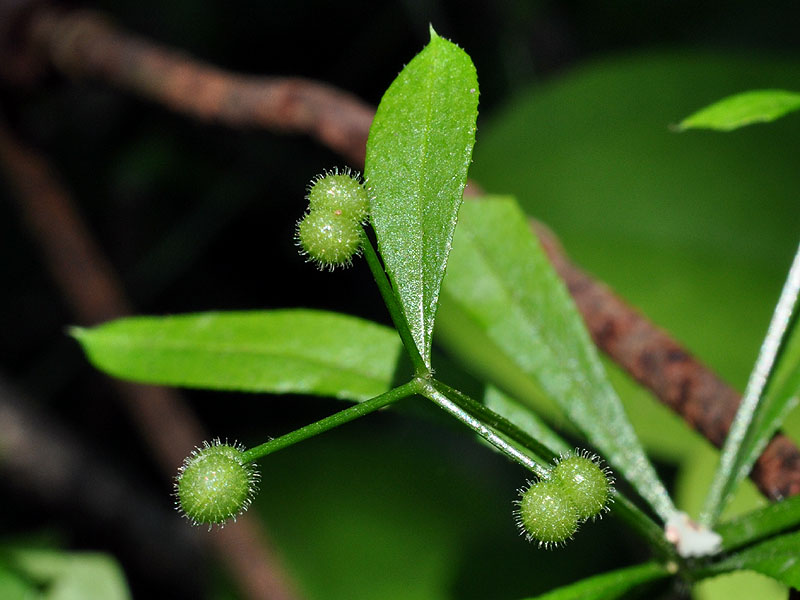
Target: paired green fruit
x=330, y=232
x=214, y=484
x=545, y=515
x=341, y=193
x=585, y=483
x=329, y=239
x=579, y=488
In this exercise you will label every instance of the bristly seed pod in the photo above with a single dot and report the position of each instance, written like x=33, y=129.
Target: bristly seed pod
x=339, y=192
x=329, y=239
x=578, y=488
x=586, y=483
x=545, y=515
x=214, y=484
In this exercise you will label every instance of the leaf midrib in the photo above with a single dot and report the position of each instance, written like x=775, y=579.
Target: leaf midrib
x=420, y=205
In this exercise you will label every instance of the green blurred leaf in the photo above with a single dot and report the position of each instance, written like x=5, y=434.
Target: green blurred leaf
x=608, y=586
x=71, y=576
x=757, y=106
x=740, y=585
x=761, y=523
x=506, y=296
x=15, y=587
x=418, y=152
x=761, y=412
x=777, y=557
x=279, y=351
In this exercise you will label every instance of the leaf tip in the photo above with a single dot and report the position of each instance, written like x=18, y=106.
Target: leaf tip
x=76, y=332
x=432, y=31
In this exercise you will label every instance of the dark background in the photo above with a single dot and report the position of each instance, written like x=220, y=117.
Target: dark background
x=198, y=216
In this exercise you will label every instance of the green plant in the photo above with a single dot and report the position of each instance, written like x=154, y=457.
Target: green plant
x=215, y=484
x=501, y=290
x=585, y=482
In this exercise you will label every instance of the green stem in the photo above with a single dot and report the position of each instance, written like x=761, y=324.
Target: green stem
x=475, y=411
x=450, y=404
x=496, y=421
x=340, y=418
x=421, y=369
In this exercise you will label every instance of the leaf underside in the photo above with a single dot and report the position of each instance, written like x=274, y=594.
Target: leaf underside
x=510, y=300
x=278, y=351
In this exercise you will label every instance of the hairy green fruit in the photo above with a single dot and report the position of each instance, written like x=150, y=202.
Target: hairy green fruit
x=214, y=484
x=341, y=193
x=546, y=515
x=329, y=239
x=585, y=482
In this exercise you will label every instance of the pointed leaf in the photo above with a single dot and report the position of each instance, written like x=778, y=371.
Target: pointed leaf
x=761, y=412
x=757, y=106
x=279, y=351
x=608, y=586
x=510, y=303
x=418, y=152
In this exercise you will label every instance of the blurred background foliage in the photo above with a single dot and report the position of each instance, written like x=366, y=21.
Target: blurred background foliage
x=695, y=229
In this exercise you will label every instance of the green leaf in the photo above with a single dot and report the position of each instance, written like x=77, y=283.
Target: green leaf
x=777, y=557
x=279, y=351
x=505, y=296
x=418, y=152
x=761, y=412
x=608, y=586
x=71, y=576
x=14, y=587
x=757, y=106
x=760, y=524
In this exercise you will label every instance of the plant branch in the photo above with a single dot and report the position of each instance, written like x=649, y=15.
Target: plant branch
x=624, y=508
x=83, y=44
x=496, y=422
x=323, y=425
x=451, y=406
